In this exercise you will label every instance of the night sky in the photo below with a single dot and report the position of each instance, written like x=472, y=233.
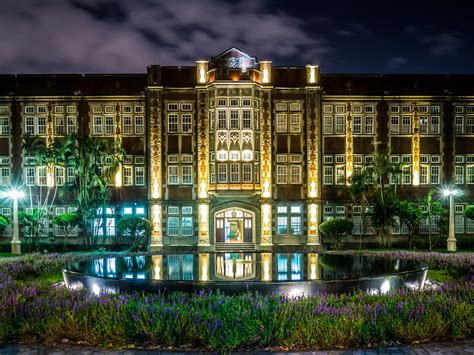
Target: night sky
x=110, y=36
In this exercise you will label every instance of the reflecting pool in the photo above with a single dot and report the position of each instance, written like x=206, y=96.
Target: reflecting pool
x=282, y=273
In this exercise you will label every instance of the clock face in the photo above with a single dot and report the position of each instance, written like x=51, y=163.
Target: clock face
x=234, y=62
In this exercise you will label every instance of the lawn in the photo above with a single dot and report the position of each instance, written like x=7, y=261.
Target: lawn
x=31, y=309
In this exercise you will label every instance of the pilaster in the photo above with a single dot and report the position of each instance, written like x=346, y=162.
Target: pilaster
x=416, y=147
x=266, y=169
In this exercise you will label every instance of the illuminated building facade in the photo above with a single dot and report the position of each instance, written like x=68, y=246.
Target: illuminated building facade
x=236, y=154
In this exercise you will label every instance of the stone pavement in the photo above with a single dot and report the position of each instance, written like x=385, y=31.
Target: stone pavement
x=459, y=347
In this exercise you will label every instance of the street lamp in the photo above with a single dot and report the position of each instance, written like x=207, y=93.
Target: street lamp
x=449, y=192
x=15, y=195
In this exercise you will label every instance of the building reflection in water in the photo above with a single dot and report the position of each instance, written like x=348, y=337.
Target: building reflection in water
x=204, y=267
x=314, y=269
x=235, y=266
x=289, y=266
x=180, y=267
x=157, y=261
x=266, y=267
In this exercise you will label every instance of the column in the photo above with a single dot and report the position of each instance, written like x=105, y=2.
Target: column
x=313, y=109
x=415, y=145
x=203, y=168
x=155, y=166
x=349, y=144
x=266, y=203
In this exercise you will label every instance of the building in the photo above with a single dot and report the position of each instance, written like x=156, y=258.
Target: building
x=234, y=153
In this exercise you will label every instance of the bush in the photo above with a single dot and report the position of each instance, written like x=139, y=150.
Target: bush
x=136, y=231
x=336, y=228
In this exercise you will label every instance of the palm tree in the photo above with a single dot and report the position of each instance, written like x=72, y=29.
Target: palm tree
x=359, y=189
x=92, y=176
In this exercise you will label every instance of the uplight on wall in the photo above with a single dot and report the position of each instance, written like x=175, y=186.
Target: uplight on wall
x=203, y=189
x=312, y=74
x=266, y=69
x=202, y=68
x=118, y=177
x=266, y=267
x=155, y=191
x=50, y=175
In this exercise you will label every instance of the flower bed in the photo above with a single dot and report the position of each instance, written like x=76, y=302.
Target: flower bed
x=29, y=310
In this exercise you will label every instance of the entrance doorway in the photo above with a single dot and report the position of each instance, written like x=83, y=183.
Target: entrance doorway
x=234, y=226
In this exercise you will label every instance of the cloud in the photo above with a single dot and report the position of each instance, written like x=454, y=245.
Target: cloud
x=438, y=43
x=125, y=36
x=396, y=62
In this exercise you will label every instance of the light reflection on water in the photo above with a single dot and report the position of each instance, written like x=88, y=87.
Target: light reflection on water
x=276, y=267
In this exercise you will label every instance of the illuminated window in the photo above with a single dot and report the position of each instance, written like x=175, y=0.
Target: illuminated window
x=281, y=122
x=246, y=119
x=41, y=125
x=187, y=174
x=180, y=221
x=222, y=173
x=222, y=119
x=289, y=220
x=173, y=175
x=247, y=172
x=234, y=119
x=328, y=124
x=394, y=124
x=109, y=125
x=282, y=174
x=104, y=222
x=295, y=123
x=406, y=125
x=5, y=176
x=127, y=176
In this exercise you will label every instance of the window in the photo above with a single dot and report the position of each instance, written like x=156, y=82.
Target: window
x=406, y=175
x=295, y=174
x=5, y=176
x=173, y=175
x=222, y=119
x=340, y=127
x=435, y=174
x=470, y=174
x=406, y=125
x=180, y=221
x=71, y=124
x=281, y=122
x=369, y=125
x=328, y=175
x=4, y=126
x=222, y=173
x=328, y=124
x=60, y=175
x=246, y=119
x=295, y=123
x=459, y=124
x=340, y=174
x=104, y=222
x=41, y=126
x=172, y=123
x=394, y=124
x=187, y=174
x=139, y=125
x=247, y=172
x=282, y=174
x=127, y=176
x=97, y=125
x=289, y=220
x=423, y=174
x=127, y=125
x=30, y=176
x=459, y=174
x=234, y=119
x=357, y=125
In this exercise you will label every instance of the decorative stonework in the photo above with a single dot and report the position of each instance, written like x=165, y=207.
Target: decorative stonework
x=349, y=145
x=203, y=146
x=266, y=146
x=312, y=145
x=416, y=147
x=203, y=170
x=266, y=216
x=155, y=167
x=155, y=144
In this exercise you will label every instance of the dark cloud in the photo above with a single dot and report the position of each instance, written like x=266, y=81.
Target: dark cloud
x=438, y=43
x=126, y=36
x=396, y=62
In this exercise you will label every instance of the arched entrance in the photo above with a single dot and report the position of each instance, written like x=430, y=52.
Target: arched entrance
x=234, y=226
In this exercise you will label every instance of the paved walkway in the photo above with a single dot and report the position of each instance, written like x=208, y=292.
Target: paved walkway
x=460, y=347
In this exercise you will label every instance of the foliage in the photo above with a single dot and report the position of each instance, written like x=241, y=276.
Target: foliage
x=336, y=228
x=67, y=221
x=410, y=214
x=32, y=224
x=469, y=212
x=49, y=155
x=213, y=321
x=4, y=222
x=95, y=161
x=359, y=190
x=385, y=208
x=136, y=230
x=434, y=210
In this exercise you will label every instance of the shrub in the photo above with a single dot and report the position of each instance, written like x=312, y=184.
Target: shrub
x=136, y=231
x=336, y=228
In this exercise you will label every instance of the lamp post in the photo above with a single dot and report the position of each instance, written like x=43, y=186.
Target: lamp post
x=15, y=195
x=452, y=235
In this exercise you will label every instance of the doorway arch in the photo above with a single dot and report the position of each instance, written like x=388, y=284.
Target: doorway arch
x=234, y=225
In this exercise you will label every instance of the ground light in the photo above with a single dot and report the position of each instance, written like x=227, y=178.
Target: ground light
x=15, y=195
x=450, y=193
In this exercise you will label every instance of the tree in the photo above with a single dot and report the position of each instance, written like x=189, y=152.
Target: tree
x=469, y=212
x=136, y=230
x=95, y=162
x=50, y=156
x=336, y=228
x=410, y=214
x=4, y=222
x=434, y=209
x=383, y=216
x=33, y=224
x=67, y=221
x=385, y=201
x=359, y=190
